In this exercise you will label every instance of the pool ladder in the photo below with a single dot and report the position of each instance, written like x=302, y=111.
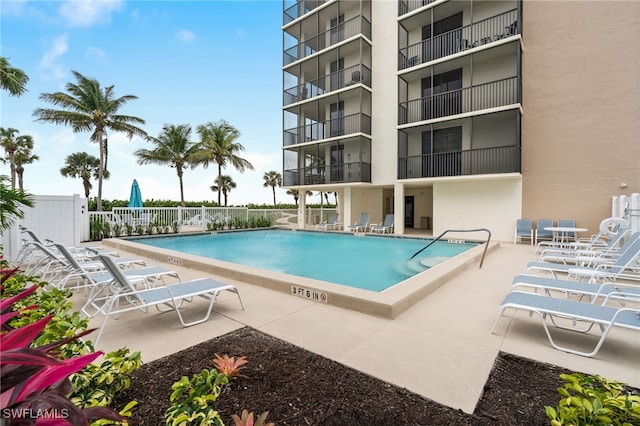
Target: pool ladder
x=439, y=237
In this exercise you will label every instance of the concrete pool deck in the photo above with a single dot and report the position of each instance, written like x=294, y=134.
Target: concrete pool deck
x=440, y=348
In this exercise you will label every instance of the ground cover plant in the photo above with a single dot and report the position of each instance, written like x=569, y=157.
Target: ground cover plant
x=297, y=387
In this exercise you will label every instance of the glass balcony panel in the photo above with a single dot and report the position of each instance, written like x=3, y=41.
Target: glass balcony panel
x=467, y=37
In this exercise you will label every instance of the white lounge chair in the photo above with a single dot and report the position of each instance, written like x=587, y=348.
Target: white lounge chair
x=581, y=289
x=625, y=266
x=611, y=250
x=384, y=227
x=331, y=223
x=524, y=229
x=120, y=295
x=361, y=225
x=554, y=309
x=91, y=274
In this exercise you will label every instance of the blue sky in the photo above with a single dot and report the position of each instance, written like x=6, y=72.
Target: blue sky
x=188, y=62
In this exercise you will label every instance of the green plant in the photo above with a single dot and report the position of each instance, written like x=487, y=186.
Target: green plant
x=191, y=400
x=96, y=229
x=128, y=229
x=594, y=401
x=98, y=384
x=34, y=381
x=230, y=366
x=247, y=419
x=175, y=226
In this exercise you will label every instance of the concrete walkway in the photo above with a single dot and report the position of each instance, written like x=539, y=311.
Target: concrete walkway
x=440, y=348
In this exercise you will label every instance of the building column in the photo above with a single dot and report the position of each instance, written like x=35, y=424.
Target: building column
x=302, y=207
x=346, y=207
x=398, y=208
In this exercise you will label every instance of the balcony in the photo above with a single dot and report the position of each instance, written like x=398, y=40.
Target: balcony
x=353, y=27
x=475, y=98
x=327, y=83
x=504, y=159
x=467, y=37
x=300, y=8
x=334, y=173
x=406, y=6
x=337, y=127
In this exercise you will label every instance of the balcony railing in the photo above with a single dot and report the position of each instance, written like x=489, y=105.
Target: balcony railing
x=349, y=124
x=474, y=98
x=334, y=173
x=406, y=6
x=463, y=38
x=334, y=35
x=327, y=83
x=300, y=8
x=504, y=159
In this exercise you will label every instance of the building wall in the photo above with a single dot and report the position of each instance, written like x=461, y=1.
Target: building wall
x=581, y=102
x=493, y=204
x=384, y=147
x=365, y=200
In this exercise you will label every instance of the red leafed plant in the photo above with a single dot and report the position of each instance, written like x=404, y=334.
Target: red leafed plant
x=247, y=419
x=33, y=382
x=230, y=365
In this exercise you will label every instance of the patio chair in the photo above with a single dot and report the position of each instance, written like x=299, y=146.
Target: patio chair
x=332, y=223
x=120, y=295
x=606, y=317
x=607, y=269
x=361, y=225
x=541, y=235
x=91, y=274
x=622, y=292
x=384, y=227
x=568, y=223
x=524, y=229
x=573, y=255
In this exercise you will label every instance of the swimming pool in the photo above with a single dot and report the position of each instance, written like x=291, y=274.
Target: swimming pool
x=367, y=262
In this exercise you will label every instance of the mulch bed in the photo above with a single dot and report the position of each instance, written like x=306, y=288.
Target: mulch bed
x=299, y=387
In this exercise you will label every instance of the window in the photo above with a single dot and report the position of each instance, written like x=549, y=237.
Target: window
x=443, y=39
x=337, y=163
x=443, y=96
x=336, y=123
x=441, y=151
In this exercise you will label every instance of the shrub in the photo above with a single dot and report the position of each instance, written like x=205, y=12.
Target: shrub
x=34, y=382
x=594, y=401
x=230, y=366
x=192, y=400
x=247, y=419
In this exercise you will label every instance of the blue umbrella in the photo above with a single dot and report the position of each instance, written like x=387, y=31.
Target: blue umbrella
x=135, y=199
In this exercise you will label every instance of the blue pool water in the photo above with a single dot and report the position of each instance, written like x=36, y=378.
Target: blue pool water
x=366, y=262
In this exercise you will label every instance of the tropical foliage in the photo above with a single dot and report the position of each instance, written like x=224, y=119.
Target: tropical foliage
x=87, y=107
x=12, y=203
x=225, y=184
x=13, y=80
x=84, y=166
x=172, y=148
x=17, y=150
x=218, y=145
x=272, y=179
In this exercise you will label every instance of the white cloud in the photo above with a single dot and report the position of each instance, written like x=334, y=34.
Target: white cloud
x=50, y=62
x=85, y=13
x=96, y=54
x=185, y=36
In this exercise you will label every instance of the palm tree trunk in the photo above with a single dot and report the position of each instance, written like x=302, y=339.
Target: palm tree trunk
x=100, y=173
x=273, y=188
x=179, y=171
x=219, y=180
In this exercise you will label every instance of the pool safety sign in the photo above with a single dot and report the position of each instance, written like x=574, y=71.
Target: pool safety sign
x=309, y=293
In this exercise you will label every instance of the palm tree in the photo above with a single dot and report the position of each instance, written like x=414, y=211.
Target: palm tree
x=225, y=184
x=172, y=147
x=218, y=145
x=272, y=179
x=11, y=204
x=13, y=80
x=84, y=166
x=87, y=107
x=296, y=194
x=9, y=142
x=24, y=156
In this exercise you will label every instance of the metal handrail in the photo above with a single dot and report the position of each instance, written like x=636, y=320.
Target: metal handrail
x=458, y=230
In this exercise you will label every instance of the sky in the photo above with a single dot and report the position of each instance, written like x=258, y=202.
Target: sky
x=188, y=62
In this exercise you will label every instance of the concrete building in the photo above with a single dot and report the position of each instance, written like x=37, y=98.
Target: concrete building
x=463, y=114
